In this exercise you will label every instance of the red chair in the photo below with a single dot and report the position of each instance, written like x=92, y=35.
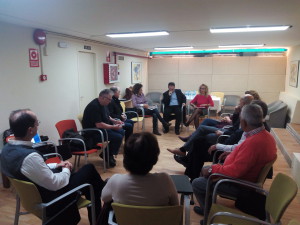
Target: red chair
x=64, y=125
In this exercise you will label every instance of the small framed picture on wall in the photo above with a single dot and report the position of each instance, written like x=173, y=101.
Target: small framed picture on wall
x=136, y=72
x=294, y=73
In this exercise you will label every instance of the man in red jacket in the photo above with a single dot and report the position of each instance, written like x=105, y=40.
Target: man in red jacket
x=246, y=161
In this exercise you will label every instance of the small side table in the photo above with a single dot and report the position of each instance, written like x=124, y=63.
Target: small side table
x=184, y=187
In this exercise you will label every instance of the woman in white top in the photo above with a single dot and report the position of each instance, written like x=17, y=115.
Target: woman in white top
x=139, y=187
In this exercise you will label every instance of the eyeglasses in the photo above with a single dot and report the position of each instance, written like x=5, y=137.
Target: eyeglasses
x=202, y=88
x=109, y=99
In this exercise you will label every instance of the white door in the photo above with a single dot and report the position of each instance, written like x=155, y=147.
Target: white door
x=87, y=84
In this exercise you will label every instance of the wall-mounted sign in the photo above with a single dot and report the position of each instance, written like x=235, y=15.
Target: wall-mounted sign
x=34, y=57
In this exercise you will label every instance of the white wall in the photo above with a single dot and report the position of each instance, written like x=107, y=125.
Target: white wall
x=291, y=96
x=57, y=98
x=231, y=75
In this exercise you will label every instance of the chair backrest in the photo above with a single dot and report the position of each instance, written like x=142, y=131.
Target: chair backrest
x=294, y=222
x=29, y=195
x=220, y=95
x=273, y=105
x=155, y=97
x=80, y=117
x=128, y=104
x=147, y=215
x=281, y=193
x=264, y=172
x=123, y=106
x=64, y=125
x=231, y=100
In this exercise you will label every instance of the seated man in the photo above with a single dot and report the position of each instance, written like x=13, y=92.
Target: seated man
x=96, y=115
x=20, y=161
x=229, y=148
x=202, y=151
x=246, y=161
x=173, y=99
x=211, y=133
x=116, y=112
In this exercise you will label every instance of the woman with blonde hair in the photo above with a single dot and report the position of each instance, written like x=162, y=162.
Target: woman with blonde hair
x=200, y=103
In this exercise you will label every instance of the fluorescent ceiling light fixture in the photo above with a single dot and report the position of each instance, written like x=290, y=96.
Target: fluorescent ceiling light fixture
x=248, y=29
x=174, y=48
x=138, y=34
x=183, y=56
x=241, y=46
x=219, y=51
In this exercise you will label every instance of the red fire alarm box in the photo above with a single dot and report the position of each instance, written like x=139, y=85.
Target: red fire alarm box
x=110, y=73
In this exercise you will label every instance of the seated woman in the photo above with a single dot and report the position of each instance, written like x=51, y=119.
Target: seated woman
x=139, y=187
x=139, y=100
x=128, y=93
x=201, y=102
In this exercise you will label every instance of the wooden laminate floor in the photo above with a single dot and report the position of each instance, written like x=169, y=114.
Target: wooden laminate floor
x=166, y=164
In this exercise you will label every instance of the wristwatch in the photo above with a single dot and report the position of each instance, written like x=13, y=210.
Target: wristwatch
x=209, y=170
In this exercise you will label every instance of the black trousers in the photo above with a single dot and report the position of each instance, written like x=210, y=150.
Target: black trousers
x=86, y=174
x=155, y=116
x=167, y=115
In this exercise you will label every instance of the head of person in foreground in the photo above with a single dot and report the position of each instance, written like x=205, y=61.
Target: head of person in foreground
x=141, y=153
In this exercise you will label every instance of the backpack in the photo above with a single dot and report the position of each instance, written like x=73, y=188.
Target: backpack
x=6, y=134
x=76, y=145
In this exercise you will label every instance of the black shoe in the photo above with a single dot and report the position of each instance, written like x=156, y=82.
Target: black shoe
x=181, y=159
x=112, y=162
x=156, y=132
x=177, y=132
x=186, y=124
x=166, y=130
x=101, y=156
x=184, y=139
x=199, y=210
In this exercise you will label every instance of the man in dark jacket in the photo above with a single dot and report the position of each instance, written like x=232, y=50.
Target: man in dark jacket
x=116, y=112
x=173, y=100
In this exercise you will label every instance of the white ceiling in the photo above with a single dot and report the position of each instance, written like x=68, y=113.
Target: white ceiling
x=188, y=21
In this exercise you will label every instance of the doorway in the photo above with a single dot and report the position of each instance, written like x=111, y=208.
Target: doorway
x=86, y=79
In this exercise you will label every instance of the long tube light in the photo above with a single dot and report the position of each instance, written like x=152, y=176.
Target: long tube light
x=241, y=46
x=219, y=51
x=173, y=48
x=248, y=29
x=138, y=34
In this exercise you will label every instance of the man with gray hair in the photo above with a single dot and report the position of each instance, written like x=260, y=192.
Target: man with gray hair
x=116, y=112
x=246, y=161
x=96, y=115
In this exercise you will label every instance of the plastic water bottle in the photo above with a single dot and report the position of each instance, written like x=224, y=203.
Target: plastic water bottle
x=189, y=95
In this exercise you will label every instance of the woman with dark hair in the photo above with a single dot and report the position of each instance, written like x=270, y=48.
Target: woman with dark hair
x=139, y=186
x=201, y=102
x=254, y=94
x=139, y=100
x=128, y=93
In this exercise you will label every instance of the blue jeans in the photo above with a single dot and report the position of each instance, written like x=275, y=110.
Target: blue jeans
x=210, y=122
x=128, y=127
x=115, y=137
